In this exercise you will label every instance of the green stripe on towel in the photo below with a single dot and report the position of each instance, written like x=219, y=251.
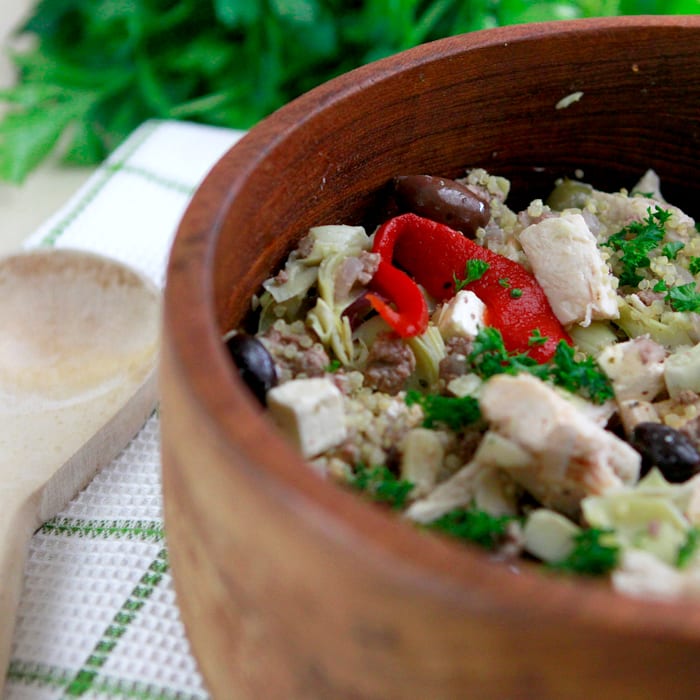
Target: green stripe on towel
x=88, y=678
x=134, y=529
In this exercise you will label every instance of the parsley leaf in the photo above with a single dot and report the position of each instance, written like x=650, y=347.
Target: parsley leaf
x=333, y=366
x=474, y=525
x=453, y=411
x=382, y=485
x=694, y=265
x=636, y=241
x=688, y=549
x=671, y=249
x=473, y=270
x=684, y=297
x=591, y=555
x=489, y=357
x=537, y=338
x=580, y=376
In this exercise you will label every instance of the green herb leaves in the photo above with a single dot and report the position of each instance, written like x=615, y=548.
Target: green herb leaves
x=689, y=548
x=474, y=270
x=381, y=485
x=582, y=377
x=451, y=411
x=594, y=554
x=489, y=356
x=96, y=70
x=474, y=525
x=672, y=248
x=634, y=243
x=684, y=297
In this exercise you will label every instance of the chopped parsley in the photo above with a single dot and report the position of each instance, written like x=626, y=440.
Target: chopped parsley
x=453, y=411
x=515, y=292
x=694, y=265
x=671, y=249
x=660, y=286
x=489, y=357
x=474, y=525
x=537, y=338
x=381, y=485
x=684, y=297
x=579, y=376
x=473, y=270
x=636, y=241
x=688, y=549
x=334, y=366
x=591, y=555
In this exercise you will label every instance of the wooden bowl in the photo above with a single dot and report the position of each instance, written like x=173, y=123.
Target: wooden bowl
x=291, y=587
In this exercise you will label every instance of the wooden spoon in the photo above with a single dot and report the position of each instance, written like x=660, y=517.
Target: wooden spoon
x=78, y=355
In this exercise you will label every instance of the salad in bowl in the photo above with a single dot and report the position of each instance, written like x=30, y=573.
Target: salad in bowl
x=526, y=380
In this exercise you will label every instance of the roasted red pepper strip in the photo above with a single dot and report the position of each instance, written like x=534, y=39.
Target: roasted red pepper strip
x=435, y=254
x=411, y=314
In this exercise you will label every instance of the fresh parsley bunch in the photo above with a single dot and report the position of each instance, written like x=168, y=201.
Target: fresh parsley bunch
x=96, y=69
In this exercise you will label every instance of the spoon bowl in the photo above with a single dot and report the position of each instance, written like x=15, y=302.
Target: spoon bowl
x=78, y=358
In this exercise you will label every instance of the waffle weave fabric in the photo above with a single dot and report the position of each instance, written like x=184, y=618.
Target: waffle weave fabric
x=98, y=616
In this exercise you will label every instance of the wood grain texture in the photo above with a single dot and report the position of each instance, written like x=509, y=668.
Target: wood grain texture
x=293, y=588
x=78, y=379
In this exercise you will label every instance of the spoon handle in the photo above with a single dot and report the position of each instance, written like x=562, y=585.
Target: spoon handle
x=18, y=520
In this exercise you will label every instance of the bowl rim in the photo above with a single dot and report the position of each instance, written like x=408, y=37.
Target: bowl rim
x=449, y=569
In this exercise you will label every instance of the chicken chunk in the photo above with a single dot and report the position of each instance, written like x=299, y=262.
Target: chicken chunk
x=568, y=264
x=572, y=456
x=474, y=484
x=635, y=367
x=616, y=210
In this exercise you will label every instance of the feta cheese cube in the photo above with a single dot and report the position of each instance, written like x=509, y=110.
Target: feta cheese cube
x=310, y=413
x=462, y=316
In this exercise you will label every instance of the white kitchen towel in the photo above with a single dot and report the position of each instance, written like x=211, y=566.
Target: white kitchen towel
x=98, y=616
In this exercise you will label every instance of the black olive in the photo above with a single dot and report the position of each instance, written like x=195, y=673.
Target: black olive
x=666, y=448
x=255, y=364
x=445, y=201
x=358, y=311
